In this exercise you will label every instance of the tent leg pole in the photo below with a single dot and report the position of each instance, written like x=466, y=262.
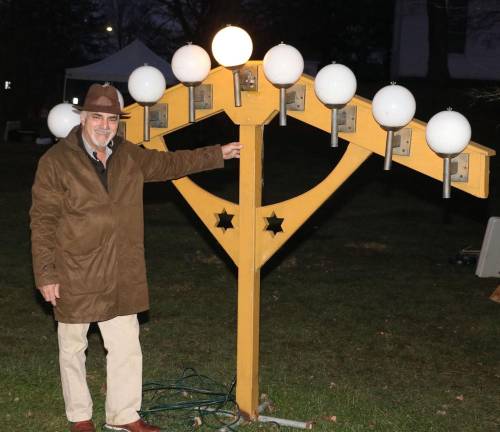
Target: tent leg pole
x=64, y=88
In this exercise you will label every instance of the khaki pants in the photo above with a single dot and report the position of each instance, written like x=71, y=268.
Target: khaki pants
x=123, y=369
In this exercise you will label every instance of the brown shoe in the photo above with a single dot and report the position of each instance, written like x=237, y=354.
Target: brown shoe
x=83, y=426
x=137, y=426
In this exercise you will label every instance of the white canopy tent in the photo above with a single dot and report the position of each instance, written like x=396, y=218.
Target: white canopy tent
x=118, y=66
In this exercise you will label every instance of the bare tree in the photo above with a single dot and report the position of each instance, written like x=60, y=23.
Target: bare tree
x=342, y=31
x=129, y=20
x=195, y=20
x=437, y=13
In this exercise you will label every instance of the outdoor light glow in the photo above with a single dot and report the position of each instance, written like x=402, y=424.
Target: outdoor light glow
x=335, y=84
x=75, y=101
x=61, y=119
x=109, y=29
x=8, y=85
x=283, y=64
x=191, y=64
x=448, y=132
x=146, y=84
x=232, y=46
x=393, y=106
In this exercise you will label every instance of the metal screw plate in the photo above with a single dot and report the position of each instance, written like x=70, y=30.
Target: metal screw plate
x=248, y=78
x=203, y=96
x=346, y=119
x=401, y=142
x=158, y=117
x=296, y=97
x=459, y=168
x=122, y=129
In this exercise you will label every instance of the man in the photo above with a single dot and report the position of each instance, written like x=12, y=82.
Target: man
x=88, y=250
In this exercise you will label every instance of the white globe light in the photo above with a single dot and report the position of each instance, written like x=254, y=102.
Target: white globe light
x=146, y=84
x=393, y=106
x=191, y=64
x=448, y=132
x=61, y=119
x=232, y=46
x=335, y=84
x=283, y=64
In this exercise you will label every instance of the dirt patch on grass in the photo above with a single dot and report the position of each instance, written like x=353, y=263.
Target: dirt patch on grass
x=368, y=246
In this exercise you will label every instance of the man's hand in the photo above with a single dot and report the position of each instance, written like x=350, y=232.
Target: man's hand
x=231, y=150
x=50, y=292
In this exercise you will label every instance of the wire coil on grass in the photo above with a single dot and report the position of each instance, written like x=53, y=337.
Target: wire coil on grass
x=192, y=402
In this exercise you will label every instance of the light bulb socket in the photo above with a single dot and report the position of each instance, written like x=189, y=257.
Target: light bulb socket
x=146, y=122
x=192, y=114
x=447, y=177
x=282, y=116
x=334, y=137
x=388, y=150
x=236, y=87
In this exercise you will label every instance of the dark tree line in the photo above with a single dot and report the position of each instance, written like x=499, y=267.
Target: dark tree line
x=43, y=37
x=40, y=38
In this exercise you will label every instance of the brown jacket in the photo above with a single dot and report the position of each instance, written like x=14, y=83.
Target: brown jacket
x=90, y=240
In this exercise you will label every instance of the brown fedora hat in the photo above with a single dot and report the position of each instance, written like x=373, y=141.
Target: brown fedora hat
x=102, y=98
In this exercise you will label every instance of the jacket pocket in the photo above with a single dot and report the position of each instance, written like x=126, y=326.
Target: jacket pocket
x=86, y=273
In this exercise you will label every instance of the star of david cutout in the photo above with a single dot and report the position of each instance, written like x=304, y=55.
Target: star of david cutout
x=274, y=224
x=224, y=220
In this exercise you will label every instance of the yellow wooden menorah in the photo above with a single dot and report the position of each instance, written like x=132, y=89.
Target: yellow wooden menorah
x=249, y=242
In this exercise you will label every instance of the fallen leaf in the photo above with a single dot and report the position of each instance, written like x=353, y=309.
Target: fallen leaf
x=460, y=397
x=495, y=295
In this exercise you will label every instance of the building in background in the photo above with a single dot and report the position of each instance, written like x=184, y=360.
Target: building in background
x=472, y=38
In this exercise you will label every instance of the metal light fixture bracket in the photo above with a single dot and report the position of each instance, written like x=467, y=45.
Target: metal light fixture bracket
x=249, y=78
x=296, y=97
x=122, y=129
x=158, y=116
x=203, y=96
x=346, y=119
x=459, y=168
x=401, y=142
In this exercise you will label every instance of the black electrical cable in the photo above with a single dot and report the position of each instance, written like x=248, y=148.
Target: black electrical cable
x=193, y=402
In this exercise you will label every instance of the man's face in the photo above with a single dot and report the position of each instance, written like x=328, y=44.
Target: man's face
x=99, y=129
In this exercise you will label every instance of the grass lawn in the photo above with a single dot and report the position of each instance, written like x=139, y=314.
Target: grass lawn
x=365, y=323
